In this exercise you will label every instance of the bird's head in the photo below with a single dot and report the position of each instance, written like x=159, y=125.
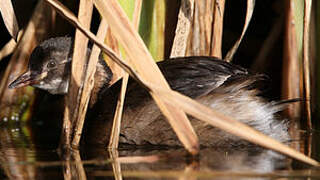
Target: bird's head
x=49, y=67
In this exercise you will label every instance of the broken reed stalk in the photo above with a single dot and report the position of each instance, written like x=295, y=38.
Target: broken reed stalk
x=205, y=36
x=116, y=126
x=79, y=61
x=217, y=28
x=233, y=50
x=306, y=61
x=183, y=28
x=194, y=108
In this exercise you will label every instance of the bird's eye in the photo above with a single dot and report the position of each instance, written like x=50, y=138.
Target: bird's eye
x=51, y=64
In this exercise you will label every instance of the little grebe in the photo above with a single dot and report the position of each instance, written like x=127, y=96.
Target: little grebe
x=225, y=87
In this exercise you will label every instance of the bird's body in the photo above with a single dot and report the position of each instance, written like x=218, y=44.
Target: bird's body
x=226, y=88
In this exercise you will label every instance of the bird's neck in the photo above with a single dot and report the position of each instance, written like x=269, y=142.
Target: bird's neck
x=102, y=78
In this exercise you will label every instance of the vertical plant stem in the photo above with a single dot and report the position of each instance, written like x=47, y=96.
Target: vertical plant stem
x=156, y=43
x=306, y=61
x=116, y=127
x=200, y=38
x=291, y=65
x=88, y=86
x=291, y=68
x=183, y=28
x=217, y=31
x=79, y=61
x=152, y=27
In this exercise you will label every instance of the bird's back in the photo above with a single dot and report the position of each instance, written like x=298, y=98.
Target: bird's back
x=226, y=88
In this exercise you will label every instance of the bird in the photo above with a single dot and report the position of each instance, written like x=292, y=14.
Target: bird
x=225, y=87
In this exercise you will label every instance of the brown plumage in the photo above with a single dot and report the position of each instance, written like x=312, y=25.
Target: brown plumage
x=227, y=88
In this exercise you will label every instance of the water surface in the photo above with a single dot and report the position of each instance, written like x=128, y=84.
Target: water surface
x=30, y=152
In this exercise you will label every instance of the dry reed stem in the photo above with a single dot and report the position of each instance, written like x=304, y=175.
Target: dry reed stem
x=200, y=37
x=9, y=18
x=233, y=50
x=88, y=85
x=115, y=131
x=116, y=126
x=199, y=111
x=140, y=58
x=79, y=61
x=306, y=61
x=8, y=49
x=117, y=72
x=291, y=68
x=216, y=39
x=36, y=31
x=183, y=28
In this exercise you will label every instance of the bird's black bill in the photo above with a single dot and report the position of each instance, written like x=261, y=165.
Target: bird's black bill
x=24, y=80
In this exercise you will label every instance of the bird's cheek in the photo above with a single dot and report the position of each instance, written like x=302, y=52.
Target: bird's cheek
x=43, y=75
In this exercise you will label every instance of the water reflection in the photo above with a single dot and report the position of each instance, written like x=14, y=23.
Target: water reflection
x=14, y=152
x=24, y=155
